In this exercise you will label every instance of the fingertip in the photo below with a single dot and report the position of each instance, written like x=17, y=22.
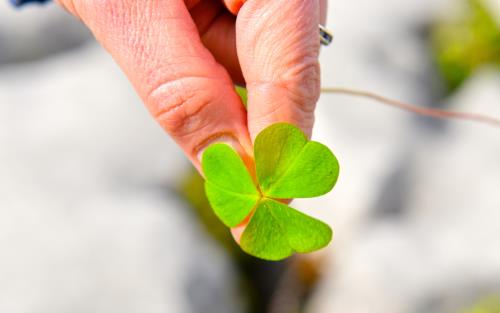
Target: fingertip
x=234, y=6
x=270, y=104
x=241, y=145
x=236, y=232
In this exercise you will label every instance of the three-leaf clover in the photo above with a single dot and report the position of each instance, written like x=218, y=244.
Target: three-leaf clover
x=287, y=166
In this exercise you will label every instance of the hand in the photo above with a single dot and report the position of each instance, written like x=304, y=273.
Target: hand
x=183, y=57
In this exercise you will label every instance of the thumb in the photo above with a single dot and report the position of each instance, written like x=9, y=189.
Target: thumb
x=278, y=48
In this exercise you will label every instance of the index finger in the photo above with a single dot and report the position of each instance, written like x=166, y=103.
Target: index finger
x=157, y=45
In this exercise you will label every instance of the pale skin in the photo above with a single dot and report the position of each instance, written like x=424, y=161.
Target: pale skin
x=184, y=56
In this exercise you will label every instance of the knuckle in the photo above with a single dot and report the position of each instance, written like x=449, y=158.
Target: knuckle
x=299, y=85
x=297, y=77
x=302, y=81
x=178, y=105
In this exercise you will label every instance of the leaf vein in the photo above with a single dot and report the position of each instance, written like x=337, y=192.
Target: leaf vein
x=256, y=194
x=292, y=164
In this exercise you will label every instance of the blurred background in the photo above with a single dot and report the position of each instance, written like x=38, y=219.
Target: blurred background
x=101, y=212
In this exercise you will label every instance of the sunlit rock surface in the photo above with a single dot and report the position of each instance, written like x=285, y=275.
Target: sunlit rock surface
x=441, y=254
x=415, y=211
x=36, y=31
x=89, y=218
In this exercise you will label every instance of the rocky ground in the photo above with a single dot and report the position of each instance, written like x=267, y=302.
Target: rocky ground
x=90, y=220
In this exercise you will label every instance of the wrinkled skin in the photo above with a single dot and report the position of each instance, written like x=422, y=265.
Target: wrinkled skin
x=183, y=56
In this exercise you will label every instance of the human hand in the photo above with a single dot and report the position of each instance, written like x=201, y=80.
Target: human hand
x=184, y=56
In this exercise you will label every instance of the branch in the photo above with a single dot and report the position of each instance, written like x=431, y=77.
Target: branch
x=434, y=113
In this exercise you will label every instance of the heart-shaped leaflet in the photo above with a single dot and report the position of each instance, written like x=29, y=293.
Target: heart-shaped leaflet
x=287, y=166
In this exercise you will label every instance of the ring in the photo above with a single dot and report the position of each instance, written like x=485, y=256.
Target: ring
x=325, y=36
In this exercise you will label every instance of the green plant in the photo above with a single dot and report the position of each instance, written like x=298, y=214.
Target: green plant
x=490, y=304
x=287, y=166
x=465, y=43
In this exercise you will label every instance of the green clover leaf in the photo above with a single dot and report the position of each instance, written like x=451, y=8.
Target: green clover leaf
x=287, y=166
x=229, y=187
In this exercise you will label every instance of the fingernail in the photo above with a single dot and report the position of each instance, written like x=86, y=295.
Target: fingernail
x=227, y=139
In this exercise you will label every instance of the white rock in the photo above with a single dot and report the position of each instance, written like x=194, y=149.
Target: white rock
x=89, y=221
x=402, y=264
x=443, y=253
x=35, y=31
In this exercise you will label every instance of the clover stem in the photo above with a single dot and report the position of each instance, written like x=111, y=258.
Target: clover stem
x=420, y=110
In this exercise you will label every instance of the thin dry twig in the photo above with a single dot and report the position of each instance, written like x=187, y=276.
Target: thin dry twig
x=435, y=113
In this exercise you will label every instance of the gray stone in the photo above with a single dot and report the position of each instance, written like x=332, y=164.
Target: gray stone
x=34, y=31
x=443, y=253
x=415, y=211
x=89, y=220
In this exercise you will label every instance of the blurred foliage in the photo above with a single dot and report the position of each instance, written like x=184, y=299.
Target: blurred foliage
x=258, y=278
x=466, y=43
x=193, y=190
x=490, y=304
x=270, y=287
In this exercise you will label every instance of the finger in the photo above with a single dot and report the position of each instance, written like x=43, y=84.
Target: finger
x=216, y=27
x=237, y=231
x=234, y=5
x=278, y=47
x=220, y=39
x=323, y=10
x=157, y=45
